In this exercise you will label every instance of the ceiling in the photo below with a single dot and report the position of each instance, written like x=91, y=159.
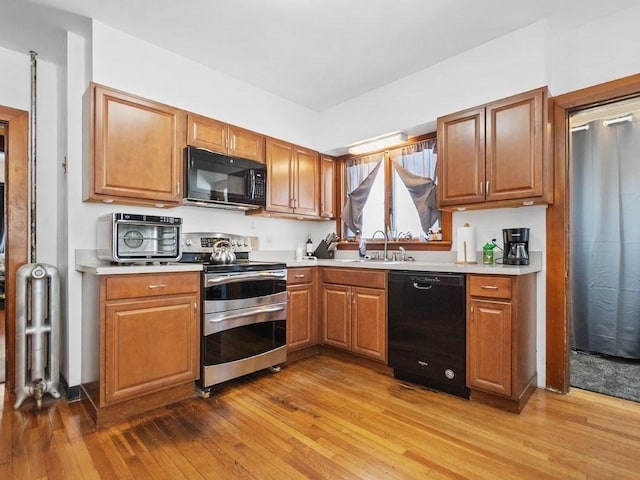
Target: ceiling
x=315, y=53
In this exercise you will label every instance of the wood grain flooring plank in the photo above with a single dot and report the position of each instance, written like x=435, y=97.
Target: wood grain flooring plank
x=326, y=417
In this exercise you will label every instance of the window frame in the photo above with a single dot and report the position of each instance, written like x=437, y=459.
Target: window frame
x=416, y=245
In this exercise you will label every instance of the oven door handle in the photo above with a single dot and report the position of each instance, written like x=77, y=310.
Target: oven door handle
x=222, y=279
x=247, y=313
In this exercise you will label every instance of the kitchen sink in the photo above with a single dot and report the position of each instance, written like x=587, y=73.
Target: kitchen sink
x=360, y=260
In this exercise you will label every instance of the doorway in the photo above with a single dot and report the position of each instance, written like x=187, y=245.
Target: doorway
x=604, y=245
x=3, y=357
x=558, y=220
x=16, y=148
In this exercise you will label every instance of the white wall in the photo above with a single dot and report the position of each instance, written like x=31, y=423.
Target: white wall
x=598, y=52
x=15, y=80
x=505, y=66
x=15, y=92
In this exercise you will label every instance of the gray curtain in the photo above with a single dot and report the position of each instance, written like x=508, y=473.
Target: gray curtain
x=605, y=239
x=416, y=167
x=361, y=173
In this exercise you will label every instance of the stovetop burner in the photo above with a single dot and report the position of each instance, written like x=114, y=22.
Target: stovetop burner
x=242, y=266
x=197, y=248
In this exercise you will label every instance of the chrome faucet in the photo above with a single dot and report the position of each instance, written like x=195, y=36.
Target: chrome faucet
x=386, y=239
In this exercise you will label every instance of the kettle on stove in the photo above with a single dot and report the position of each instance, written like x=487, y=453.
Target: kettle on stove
x=222, y=252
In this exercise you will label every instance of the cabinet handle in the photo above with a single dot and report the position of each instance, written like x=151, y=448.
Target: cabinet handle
x=159, y=285
x=299, y=275
x=195, y=307
x=481, y=188
x=489, y=287
x=487, y=189
x=177, y=188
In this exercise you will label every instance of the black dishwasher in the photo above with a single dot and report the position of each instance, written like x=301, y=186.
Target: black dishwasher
x=427, y=329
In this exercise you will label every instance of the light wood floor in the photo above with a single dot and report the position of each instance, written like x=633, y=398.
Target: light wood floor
x=324, y=418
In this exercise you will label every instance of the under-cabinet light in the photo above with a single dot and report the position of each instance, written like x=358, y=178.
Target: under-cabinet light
x=377, y=143
x=580, y=128
x=626, y=118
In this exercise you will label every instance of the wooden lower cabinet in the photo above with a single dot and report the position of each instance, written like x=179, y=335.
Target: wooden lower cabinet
x=501, y=339
x=145, y=335
x=302, y=328
x=354, y=311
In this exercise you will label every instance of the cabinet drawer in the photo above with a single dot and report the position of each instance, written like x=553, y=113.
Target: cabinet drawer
x=490, y=287
x=355, y=277
x=149, y=285
x=299, y=275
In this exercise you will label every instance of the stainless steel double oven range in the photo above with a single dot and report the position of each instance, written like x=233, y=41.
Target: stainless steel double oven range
x=244, y=307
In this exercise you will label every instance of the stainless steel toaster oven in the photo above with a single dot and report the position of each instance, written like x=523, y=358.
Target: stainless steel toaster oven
x=125, y=237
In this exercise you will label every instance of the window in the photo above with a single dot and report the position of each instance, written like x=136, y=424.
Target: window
x=395, y=191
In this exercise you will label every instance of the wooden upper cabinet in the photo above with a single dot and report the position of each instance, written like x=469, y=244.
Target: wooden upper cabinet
x=135, y=149
x=292, y=179
x=461, y=165
x=279, y=161
x=204, y=132
x=515, y=143
x=327, y=188
x=246, y=144
x=494, y=155
x=306, y=173
x=207, y=133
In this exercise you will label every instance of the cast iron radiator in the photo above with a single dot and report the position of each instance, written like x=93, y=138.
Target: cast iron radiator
x=37, y=332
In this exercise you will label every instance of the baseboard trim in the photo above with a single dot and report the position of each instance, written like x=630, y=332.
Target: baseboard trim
x=71, y=393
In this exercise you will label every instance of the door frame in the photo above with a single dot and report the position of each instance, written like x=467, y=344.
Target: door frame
x=558, y=218
x=17, y=206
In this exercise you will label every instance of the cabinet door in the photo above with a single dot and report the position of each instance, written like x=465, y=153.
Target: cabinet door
x=327, y=191
x=369, y=323
x=306, y=182
x=137, y=149
x=280, y=156
x=207, y=133
x=336, y=316
x=300, y=317
x=461, y=162
x=150, y=345
x=489, y=346
x=246, y=144
x=514, y=143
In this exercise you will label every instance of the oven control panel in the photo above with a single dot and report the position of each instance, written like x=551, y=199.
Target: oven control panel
x=202, y=242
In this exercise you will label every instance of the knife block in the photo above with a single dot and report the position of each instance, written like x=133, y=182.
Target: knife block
x=322, y=251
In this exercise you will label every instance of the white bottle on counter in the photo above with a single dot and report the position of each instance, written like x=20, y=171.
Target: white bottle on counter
x=299, y=252
x=309, y=246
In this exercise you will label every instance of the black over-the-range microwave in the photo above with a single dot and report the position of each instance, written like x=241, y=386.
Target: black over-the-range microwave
x=217, y=180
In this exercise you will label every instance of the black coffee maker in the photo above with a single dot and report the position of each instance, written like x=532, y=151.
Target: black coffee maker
x=516, y=246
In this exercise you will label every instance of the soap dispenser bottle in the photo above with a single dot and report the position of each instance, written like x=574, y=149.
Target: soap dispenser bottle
x=362, y=245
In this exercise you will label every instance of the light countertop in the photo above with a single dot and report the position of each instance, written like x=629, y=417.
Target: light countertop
x=424, y=262
x=87, y=262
